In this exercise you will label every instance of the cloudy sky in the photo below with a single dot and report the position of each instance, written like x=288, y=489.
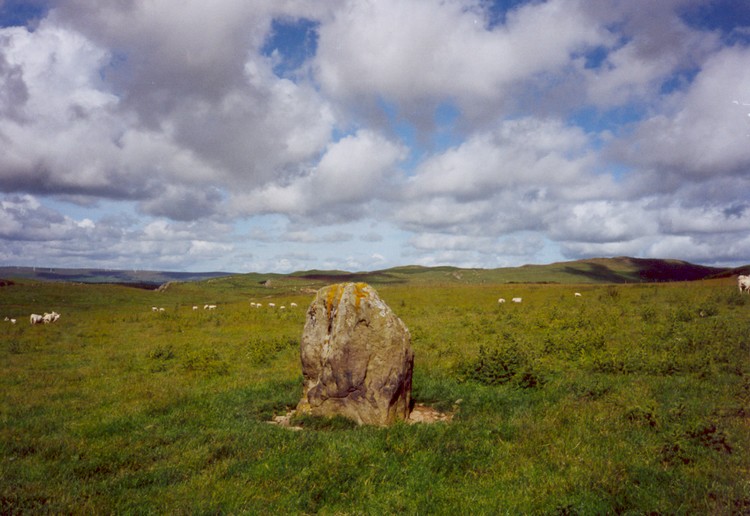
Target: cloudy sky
x=282, y=135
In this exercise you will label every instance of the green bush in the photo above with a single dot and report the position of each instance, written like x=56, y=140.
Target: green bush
x=262, y=350
x=491, y=366
x=14, y=346
x=500, y=365
x=205, y=361
x=162, y=353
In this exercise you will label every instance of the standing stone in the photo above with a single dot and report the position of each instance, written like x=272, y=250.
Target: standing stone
x=356, y=356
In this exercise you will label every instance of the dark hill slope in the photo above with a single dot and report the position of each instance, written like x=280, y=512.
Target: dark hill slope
x=595, y=270
x=140, y=278
x=625, y=270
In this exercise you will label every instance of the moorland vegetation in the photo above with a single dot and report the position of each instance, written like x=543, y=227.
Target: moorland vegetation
x=629, y=398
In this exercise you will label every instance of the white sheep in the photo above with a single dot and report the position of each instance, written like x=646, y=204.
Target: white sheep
x=744, y=283
x=50, y=318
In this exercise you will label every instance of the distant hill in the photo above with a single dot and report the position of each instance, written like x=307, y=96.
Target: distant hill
x=628, y=270
x=595, y=270
x=136, y=278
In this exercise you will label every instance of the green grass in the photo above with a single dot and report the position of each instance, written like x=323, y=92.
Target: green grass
x=632, y=398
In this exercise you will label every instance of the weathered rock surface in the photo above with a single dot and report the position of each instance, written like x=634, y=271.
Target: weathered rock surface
x=356, y=355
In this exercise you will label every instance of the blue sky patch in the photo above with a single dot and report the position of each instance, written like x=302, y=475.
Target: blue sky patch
x=20, y=13
x=678, y=81
x=731, y=17
x=498, y=10
x=615, y=120
x=293, y=42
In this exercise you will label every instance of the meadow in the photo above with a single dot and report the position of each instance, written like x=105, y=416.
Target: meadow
x=632, y=398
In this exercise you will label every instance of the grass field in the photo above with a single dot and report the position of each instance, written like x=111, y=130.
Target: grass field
x=628, y=399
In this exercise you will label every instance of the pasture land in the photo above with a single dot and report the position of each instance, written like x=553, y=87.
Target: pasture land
x=630, y=398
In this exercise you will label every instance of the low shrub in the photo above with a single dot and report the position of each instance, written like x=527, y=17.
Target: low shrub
x=709, y=436
x=162, y=353
x=732, y=298
x=262, y=350
x=648, y=313
x=206, y=361
x=491, y=366
x=684, y=446
x=642, y=416
x=14, y=346
x=500, y=365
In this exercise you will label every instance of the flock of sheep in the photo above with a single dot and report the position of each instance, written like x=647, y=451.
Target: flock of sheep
x=273, y=305
x=195, y=307
x=53, y=316
x=519, y=299
x=743, y=282
x=213, y=307
x=47, y=318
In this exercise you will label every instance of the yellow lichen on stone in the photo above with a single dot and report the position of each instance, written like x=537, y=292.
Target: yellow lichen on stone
x=333, y=297
x=336, y=292
x=360, y=292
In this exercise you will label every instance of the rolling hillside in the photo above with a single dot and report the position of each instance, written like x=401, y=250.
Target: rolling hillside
x=139, y=278
x=595, y=270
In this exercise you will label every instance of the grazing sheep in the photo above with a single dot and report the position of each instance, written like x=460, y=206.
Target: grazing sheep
x=517, y=299
x=744, y=283
x=577, y=294
x=293, y=305
x=501, y=300
x=36, y=319
x=50, y=318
